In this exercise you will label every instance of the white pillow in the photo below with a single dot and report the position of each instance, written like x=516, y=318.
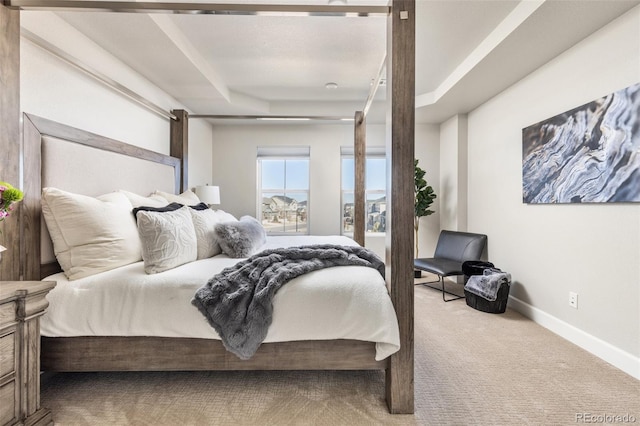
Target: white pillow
x=151, y=201
x=187, y=198
x=204, y=222
x=224, y=216
x=90, y=235
x=168, y=239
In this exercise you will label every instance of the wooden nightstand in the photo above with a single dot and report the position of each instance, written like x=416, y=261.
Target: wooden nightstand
x=21, y=305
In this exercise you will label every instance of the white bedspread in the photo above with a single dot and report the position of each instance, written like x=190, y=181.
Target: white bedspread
x=346, y=302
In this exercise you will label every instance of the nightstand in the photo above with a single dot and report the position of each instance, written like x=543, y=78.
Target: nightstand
x=21, y=305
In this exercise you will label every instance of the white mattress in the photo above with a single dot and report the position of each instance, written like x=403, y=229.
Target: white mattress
x=346, y=302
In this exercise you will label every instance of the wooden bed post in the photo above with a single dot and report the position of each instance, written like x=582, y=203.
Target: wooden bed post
x=31, y=210
x=10, y=135
x=180, y=144
x=400, y=205
x=359, y=156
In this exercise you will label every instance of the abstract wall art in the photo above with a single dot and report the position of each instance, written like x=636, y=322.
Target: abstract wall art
x=590, y=154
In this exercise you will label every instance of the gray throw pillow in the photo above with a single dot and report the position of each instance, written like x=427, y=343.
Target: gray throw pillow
x=242, y=238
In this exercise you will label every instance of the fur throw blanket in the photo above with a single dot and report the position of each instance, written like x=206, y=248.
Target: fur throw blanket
x=238, y=302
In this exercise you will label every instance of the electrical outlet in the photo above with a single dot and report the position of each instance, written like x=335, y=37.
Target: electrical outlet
x=573, y=299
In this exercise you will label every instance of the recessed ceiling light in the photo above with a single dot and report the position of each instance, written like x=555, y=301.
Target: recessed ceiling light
x=337, y=2
x=331, y=85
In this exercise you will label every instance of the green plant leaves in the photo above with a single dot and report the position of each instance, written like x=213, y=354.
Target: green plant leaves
x=424, y=194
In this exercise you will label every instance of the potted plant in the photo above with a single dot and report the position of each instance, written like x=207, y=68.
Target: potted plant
x=424, y=197
x=8, y=197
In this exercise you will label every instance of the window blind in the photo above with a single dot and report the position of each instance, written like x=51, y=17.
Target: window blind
x=283, y=151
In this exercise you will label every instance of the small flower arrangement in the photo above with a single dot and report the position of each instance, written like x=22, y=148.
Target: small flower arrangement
x=8, y=197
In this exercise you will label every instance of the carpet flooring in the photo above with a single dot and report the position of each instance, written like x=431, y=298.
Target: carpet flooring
x=471, y=368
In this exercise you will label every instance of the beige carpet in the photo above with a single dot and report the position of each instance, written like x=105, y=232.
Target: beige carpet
x=471, y=368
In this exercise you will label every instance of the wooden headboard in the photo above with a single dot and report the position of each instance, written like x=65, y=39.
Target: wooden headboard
x=56, y=155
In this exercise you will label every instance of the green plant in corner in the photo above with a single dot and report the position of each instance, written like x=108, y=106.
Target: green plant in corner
x=424, y=198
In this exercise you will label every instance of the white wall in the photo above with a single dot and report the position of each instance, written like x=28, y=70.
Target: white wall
x=53, y=89
x=550, y=250
x=234, y=168
x=453, y=174
x=427, y=148
x=200, y=152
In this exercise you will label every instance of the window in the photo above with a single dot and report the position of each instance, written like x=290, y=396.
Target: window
x=375, y=190
x=283, y=189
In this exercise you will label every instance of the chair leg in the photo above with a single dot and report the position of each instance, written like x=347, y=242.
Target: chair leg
x=457, y=296
x=441, y=281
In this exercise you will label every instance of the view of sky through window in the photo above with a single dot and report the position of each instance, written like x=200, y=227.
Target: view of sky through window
x=276, y=176
x=375, y=174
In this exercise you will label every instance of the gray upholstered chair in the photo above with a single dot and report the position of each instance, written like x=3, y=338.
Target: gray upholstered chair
x=452, y=250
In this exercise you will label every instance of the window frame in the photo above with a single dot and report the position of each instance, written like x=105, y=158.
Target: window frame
x=346, y=153
x=278, y=156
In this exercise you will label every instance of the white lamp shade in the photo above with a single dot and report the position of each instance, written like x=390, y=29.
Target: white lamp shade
x=208, y=194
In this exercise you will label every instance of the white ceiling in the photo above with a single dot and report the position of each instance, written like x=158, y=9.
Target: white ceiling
x=466, y=52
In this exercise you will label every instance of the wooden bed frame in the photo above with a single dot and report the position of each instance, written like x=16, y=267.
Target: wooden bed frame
x=150, y=353
x=154, y=353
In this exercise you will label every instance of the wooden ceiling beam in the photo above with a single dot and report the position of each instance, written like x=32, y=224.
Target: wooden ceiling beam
x=197, y=8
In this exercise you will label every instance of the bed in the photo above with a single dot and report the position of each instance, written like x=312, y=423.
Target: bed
x=347, y=302
x=55, y=155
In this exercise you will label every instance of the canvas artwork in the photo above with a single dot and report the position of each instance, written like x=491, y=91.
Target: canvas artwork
x=590, y=154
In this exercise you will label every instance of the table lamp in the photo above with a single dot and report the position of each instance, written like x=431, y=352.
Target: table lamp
x=208, y=194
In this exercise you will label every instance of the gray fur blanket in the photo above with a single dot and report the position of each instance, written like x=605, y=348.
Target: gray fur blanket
x=238, y=302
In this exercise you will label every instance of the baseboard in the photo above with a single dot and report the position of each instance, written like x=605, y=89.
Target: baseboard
x=598, y=347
